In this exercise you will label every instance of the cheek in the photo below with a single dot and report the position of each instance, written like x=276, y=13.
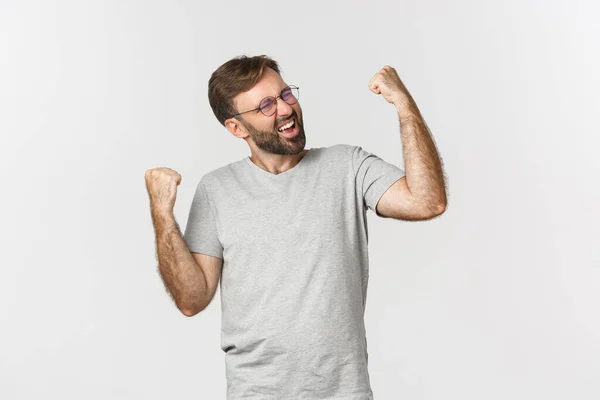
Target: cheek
x=271, y=126
x=298, y=111
x=266, y=125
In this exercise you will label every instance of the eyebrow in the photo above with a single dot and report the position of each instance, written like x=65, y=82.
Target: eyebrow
x=278, y=93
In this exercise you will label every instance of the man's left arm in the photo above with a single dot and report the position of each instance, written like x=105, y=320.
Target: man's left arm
x=421, y=193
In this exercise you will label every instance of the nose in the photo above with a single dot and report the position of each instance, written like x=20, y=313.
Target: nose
x=283, y=108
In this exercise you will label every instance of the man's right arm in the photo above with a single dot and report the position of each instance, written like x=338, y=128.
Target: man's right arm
x=190, y=278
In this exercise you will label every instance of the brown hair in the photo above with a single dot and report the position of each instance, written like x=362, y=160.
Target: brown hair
x=232, y=78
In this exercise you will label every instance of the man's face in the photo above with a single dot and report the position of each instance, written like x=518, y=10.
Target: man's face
x=264, y=131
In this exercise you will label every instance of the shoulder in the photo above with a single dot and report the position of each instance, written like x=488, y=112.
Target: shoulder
x=342, y=147
x=341, y=150
x=214, y=181
x=340, y=158
x=345, y=152
x=354, y=154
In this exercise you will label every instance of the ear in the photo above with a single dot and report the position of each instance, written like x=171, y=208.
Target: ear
x=236, y=128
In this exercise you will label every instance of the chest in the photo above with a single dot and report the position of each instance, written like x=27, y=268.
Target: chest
x=292, y=219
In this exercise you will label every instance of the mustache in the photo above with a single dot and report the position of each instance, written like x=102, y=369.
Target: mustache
x=293, y=115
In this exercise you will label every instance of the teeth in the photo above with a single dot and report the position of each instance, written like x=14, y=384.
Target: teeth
x=286, y=126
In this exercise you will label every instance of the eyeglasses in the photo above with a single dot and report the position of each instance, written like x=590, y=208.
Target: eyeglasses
x=268, y=105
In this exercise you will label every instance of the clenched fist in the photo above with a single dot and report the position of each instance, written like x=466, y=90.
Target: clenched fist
x=388, y=84
x=162, y=188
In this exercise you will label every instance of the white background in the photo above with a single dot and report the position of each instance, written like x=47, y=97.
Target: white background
x=496, y=299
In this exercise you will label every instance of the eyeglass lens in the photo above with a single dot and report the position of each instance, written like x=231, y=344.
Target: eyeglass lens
x=268, y=105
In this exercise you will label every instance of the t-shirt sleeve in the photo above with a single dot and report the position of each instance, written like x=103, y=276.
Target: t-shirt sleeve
x=373, y=176
x=201, y=229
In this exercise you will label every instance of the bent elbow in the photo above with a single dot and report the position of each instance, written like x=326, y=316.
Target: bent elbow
x=431, y=213
x=190, y=311
x=440, y=209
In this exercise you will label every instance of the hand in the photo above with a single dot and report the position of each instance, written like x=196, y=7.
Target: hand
x=161, y=184
x=388, y=84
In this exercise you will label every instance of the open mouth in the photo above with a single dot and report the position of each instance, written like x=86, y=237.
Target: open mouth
x=288, y=127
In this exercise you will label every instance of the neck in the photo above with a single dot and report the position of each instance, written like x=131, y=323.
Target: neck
x=277, y=163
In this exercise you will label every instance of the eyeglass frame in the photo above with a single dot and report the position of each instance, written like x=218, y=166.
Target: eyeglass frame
x=275, y=99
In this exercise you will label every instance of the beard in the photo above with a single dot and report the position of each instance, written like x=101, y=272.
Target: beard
x=272, y=142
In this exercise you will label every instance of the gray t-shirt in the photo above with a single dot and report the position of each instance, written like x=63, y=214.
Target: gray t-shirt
x=295, y=271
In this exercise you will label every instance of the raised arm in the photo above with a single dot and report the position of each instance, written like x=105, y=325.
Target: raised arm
x=190, y=278
x=421, y=194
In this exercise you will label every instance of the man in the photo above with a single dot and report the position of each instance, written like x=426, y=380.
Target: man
x=285, y=230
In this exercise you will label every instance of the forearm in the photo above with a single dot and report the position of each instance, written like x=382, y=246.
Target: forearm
x=423, y=166
x=181, y=274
